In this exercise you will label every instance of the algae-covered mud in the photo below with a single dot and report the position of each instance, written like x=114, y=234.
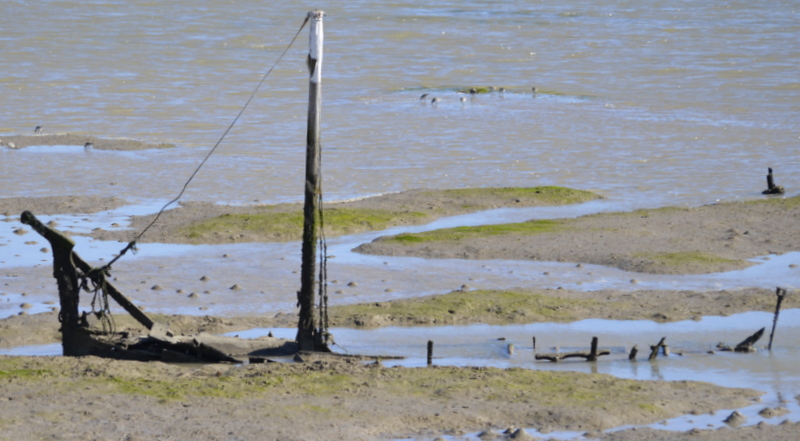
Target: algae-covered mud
x=207, y=223
x=557, y=305
x=324, y=399
x=711, y=238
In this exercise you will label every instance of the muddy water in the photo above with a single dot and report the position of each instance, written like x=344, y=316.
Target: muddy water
x=647, y=103
x=679, y=103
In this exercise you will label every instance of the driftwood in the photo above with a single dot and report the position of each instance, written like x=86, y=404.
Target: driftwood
x=590, y=355
x=745, y=345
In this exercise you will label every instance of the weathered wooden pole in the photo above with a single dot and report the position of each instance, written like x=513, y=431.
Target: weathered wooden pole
x=781, y=293
x=68, y=288
x=307, y=333
x=430, y=353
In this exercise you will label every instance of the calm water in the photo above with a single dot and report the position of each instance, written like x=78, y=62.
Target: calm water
x=650, y=103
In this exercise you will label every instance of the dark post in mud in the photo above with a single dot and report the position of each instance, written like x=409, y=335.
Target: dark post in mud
x=771, y=187
x=309, y=338
x=68, y=288
x=781, y=293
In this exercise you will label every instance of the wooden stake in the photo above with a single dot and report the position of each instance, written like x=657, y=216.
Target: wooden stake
x=634, y=351
x=654, y=349
x=771, y=187
x=430, y=352
x=781, y=293
x=308, y=336
x=593, y=352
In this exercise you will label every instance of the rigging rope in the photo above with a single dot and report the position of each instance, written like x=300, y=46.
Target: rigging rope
x=132, y=244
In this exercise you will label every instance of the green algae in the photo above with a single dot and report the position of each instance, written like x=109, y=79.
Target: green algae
x=685, y=258
x=482, y=306
x=460, y=233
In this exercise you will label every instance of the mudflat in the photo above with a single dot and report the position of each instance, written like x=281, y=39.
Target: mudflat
x=334, y=398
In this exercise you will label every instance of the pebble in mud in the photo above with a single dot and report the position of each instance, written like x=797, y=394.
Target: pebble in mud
x=193, y=295
x=179, y=291
x=521, y=434
x=156, y=288
x=634, y=281
x=772, y=413
x=352, y=284
x=204, y=278
x=488, y=435
x=26, y=306
x=20, y=231
x=735, y=419
x=44, y=250
x=236, y=287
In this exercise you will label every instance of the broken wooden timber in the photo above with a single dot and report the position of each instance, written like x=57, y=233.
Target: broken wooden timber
x=654, y=349
x=590, y=355
x=62, y=244
x=745, y=345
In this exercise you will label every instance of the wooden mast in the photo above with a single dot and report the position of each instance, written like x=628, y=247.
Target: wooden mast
x=307, y=332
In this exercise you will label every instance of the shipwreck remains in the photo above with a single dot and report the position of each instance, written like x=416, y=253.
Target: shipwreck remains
x=81, y=335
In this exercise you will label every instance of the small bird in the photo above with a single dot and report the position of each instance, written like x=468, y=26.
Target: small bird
x=435, y=101
x=533, y=89
x=88, y=146
x=37, y=130
x=502, y=90
x=473, y=91
x=463, y=99
x=423, y=96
